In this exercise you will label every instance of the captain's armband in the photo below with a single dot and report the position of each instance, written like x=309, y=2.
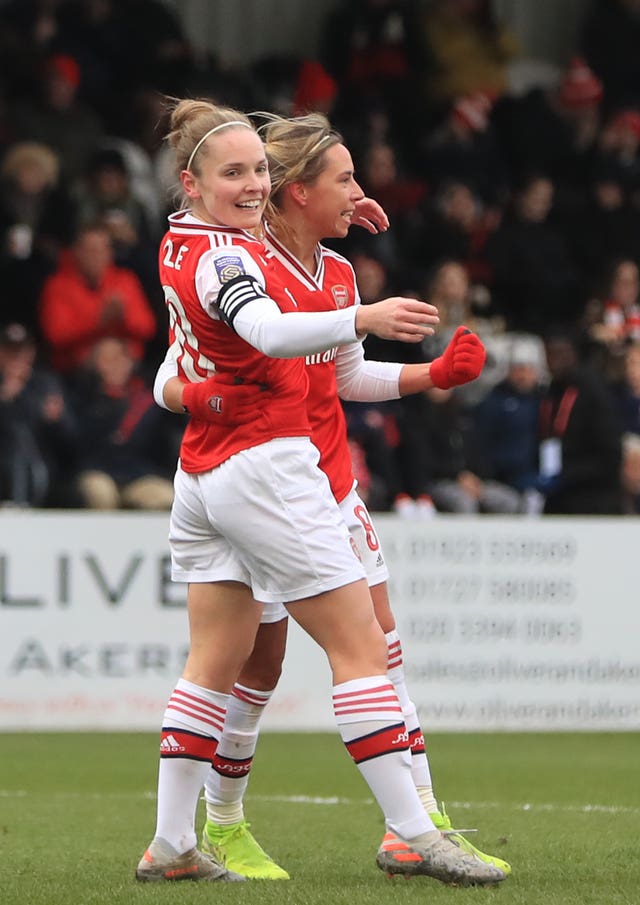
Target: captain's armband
x=237, y=293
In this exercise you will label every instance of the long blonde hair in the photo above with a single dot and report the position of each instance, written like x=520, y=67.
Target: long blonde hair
x=295, y=150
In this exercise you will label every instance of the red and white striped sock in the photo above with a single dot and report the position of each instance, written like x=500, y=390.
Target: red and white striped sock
x=419, y=760
x=227, y=781
x=191, y=730
x=369, y=718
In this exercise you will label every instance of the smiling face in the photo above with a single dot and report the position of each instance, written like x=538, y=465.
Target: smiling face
x=331, y=198
x=231, y=185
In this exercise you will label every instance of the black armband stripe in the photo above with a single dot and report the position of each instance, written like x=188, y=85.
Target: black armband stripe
x=237, y=293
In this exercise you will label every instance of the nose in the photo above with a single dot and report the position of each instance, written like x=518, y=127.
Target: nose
x=254, y=183
x=357, y=192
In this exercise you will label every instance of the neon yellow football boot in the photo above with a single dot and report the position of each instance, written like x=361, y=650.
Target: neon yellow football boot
x=442, y=822
x=236, y=848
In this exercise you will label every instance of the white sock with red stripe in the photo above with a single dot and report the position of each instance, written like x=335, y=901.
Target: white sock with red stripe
x=227, y=781
x=419, y=760
x=191, y=729
x=369, y=718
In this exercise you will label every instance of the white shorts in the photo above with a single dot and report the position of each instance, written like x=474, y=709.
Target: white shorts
x=265, y=517
x=358, y=521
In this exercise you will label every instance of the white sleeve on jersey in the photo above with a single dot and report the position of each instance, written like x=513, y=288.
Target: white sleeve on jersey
x=218, y=267
x=231, y=287
x=168, y=369
x=360, y=380
x=291, y=334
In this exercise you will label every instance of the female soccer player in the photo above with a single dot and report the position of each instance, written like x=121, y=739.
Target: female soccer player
x=361, y=697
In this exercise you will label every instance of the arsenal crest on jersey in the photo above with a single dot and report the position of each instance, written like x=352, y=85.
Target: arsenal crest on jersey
x=340, y=296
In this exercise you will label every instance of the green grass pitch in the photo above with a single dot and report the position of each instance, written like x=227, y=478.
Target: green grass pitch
x=77, y=810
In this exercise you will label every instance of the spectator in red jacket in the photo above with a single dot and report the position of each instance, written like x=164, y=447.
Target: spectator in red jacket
x=88, y=298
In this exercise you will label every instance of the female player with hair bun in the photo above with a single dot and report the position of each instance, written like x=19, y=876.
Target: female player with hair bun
x=254, y=522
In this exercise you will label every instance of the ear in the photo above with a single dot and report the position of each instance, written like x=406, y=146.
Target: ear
x=188, y=181
x=299, y=193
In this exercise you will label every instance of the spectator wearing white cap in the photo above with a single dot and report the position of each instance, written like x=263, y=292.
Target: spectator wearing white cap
x=506, y=422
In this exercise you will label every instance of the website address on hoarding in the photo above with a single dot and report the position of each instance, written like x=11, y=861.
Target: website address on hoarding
x=593, y=670
x=496, y=712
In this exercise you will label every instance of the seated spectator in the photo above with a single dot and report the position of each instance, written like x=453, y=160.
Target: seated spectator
x=372, y=279
x=120, y=46
x=375, y=52
x=535, y=281
x=580, y=436
x=145, y=156
x=553, y=131
x=107, y=196
x=464, y=148
x=612, y=320
x=128, y=446
x=374, y=283
x=605, y=225
x=506, y=423
x=630, y=474
x=627, y=390
x=29, y=29
x=281, y=81
x=161, y=52
x=459, y=302
x=88, y=298
x=36, y=220
x=58, y=119
x=32, y=196
x=454, y=223
x=617, y=148
x=382, y=176
x=37, y=429
x=438, y=460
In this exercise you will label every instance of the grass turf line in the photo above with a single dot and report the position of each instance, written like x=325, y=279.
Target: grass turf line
x=77, y=810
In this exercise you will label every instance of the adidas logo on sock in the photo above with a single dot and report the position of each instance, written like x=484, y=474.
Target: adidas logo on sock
x=170, y=745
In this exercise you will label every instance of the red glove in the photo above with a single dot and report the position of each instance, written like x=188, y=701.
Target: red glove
x=461, y=361
x=221, y=401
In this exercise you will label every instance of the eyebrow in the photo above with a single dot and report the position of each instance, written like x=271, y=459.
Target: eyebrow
x=242, y=163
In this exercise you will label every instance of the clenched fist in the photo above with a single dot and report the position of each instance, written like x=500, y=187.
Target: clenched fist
x=461, y=362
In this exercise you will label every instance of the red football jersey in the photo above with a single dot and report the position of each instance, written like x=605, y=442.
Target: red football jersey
x=196, y=260
x=334, y=283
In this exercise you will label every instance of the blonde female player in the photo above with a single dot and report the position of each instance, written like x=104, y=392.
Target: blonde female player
x=359, y=728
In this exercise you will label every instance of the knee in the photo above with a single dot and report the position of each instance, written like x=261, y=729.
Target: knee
x=261, y=675
x=263, y=667
x=364, y=653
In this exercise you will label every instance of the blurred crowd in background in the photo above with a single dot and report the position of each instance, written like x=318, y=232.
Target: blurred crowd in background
x=514, y=200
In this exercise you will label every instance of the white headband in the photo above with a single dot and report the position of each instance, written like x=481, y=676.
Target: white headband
x=319, y=144
x=233, y=122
